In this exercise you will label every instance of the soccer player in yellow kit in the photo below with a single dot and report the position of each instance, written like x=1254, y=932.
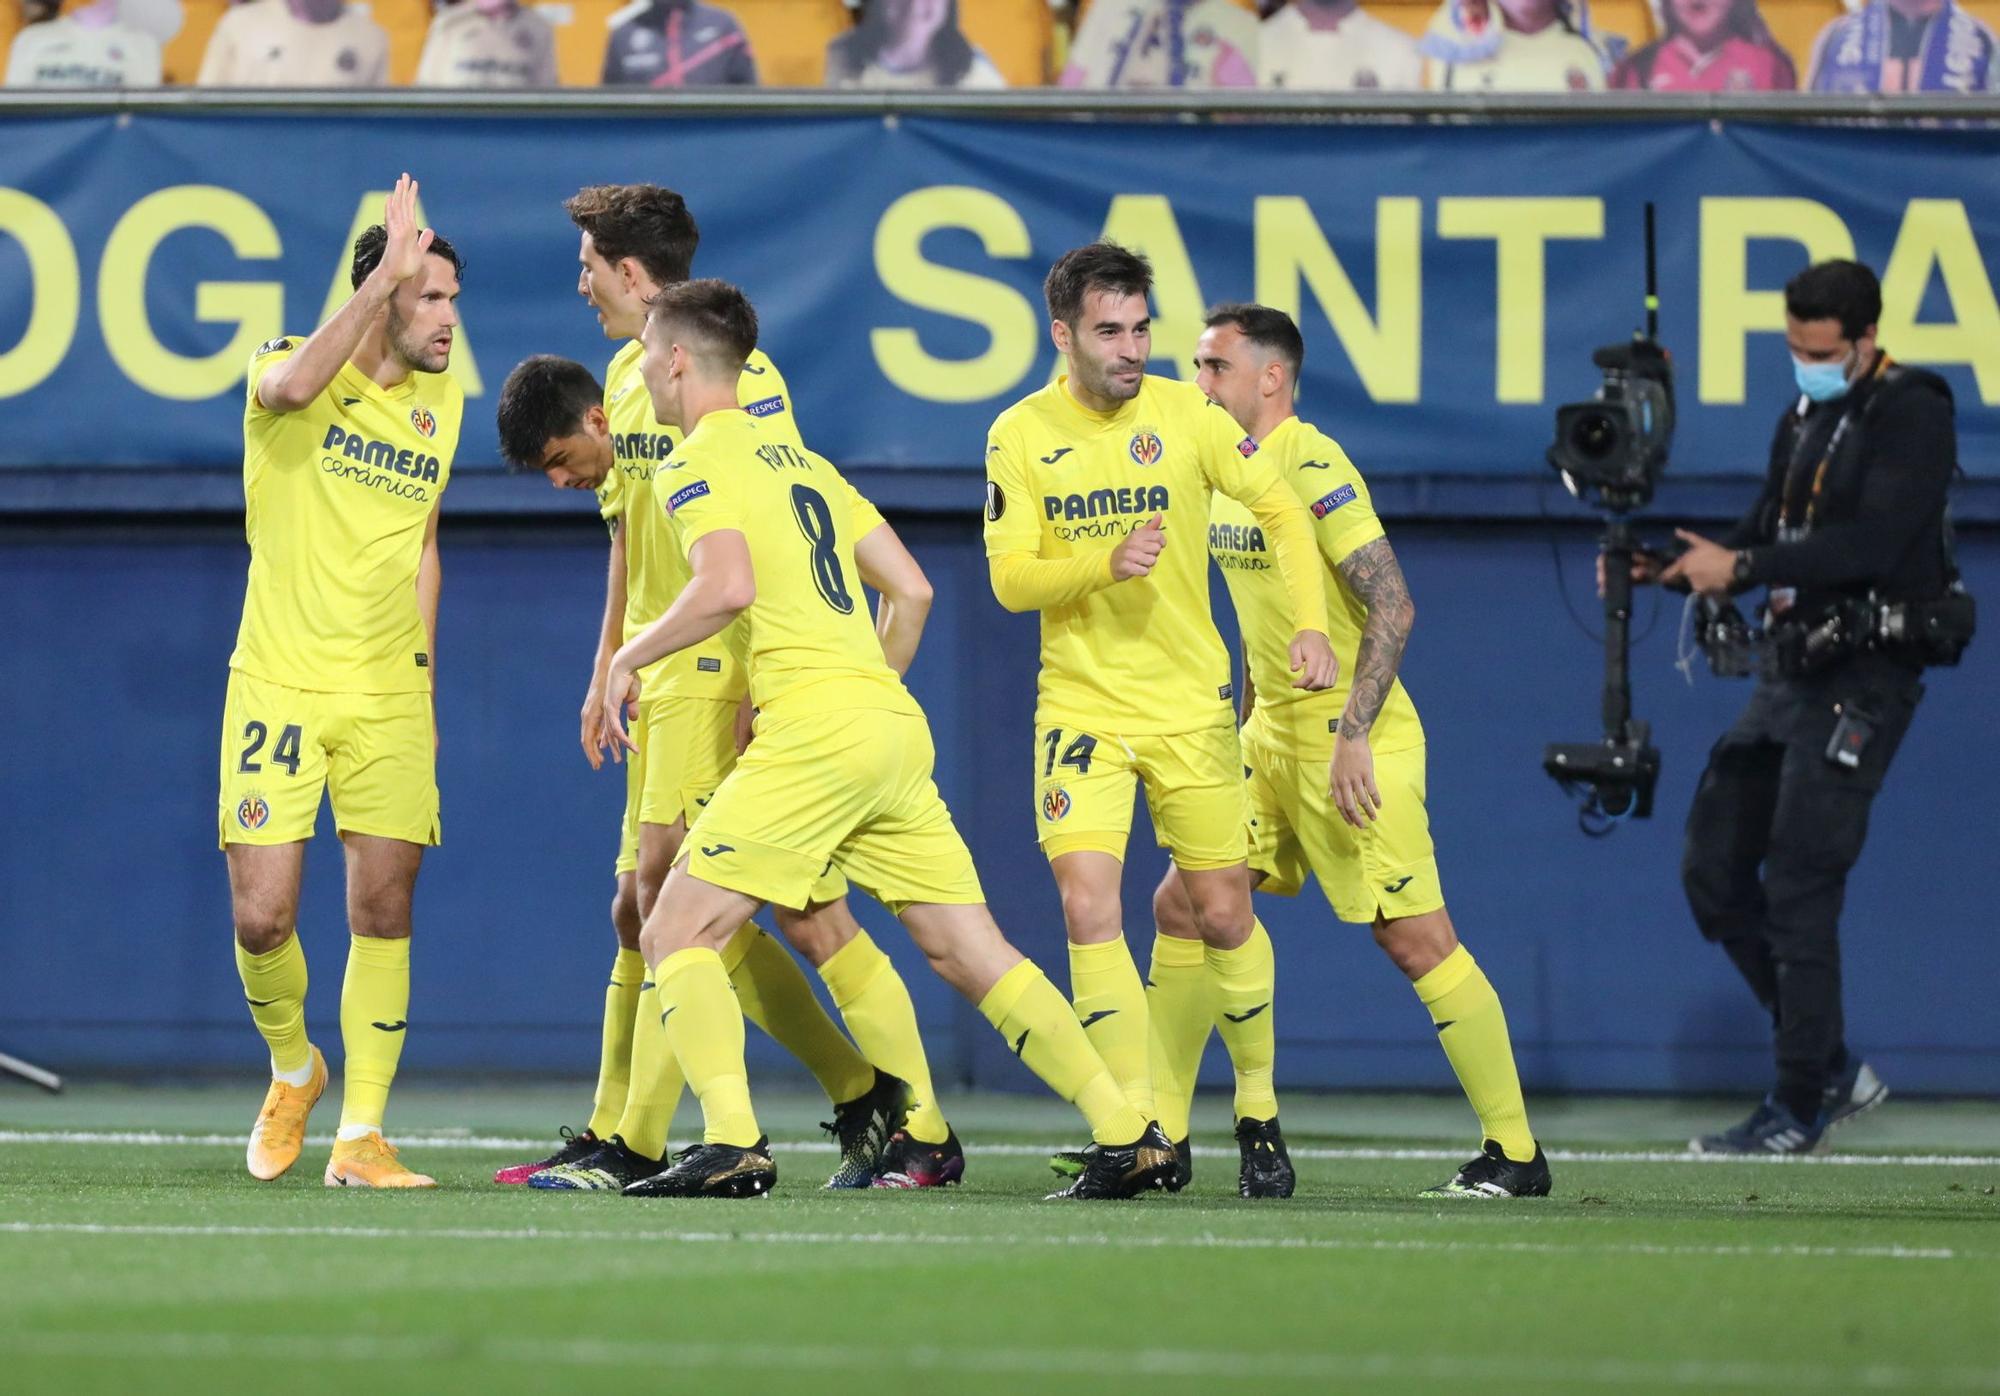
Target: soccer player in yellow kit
x=636, y=239
x=1336, y=778
x=1089, y=482
x=348, y=439
x=839, y=774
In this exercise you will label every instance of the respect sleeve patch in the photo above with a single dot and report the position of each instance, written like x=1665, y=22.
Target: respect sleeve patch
x=1332, y=500
x=700, y=487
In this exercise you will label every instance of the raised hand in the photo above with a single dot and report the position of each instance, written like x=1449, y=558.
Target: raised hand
x=403, y=258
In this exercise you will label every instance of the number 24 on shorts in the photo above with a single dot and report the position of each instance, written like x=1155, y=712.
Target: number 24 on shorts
x=285, y=753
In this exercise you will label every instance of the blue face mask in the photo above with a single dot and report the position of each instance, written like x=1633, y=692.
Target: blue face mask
x=1821, y=382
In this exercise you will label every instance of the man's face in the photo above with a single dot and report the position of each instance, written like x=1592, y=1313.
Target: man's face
x=660, y=364
x=1110, y=344
x=612, y=292
x=423, y=314
x=1229, y=369
x=581, y=460
x=1821, y=342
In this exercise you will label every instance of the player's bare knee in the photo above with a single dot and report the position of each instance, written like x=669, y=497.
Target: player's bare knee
x=1092, y=914
x=817, y=936
x=262, y=928
x=384, y=917
x=1173, y=913
x=625, y=917
x=1223, y=921
x=1416, y=945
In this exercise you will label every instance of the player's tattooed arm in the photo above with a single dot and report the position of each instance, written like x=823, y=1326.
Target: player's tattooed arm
x=1373, y=575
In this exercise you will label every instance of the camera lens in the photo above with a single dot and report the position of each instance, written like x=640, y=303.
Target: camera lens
x=1595, y=435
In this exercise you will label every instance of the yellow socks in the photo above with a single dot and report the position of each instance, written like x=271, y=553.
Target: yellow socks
x=1031, y=1014
x=1472, y=1029
x=656, y=1081
x=875, y=1004
x=1111, y=1005
x=705, y=1028
x=1242, y=984
x=614, y=1063
x=1177, y=1001
x=775, y=995
x=274, y=985
x=374, y=1014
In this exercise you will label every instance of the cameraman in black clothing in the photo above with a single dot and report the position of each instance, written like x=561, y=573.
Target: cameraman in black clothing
x=1851, y=522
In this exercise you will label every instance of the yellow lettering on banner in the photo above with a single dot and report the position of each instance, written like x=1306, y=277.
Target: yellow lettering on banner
x=1936, y=232
x=1386, y=348
x=55, y=288
x=1730, y=310
x=463, y=366
x=1521, y=230
x=255, y=308
x=1145, y=223
x=1011, y=325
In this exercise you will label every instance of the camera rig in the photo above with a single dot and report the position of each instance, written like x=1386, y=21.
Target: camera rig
x=1610, y=452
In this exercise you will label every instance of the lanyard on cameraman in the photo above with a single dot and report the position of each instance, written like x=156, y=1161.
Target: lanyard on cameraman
x=1847, y=415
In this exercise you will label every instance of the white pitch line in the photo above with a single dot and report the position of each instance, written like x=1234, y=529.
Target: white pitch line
x=1066, y=1364
x=503, y=1144
x=1084, y=1240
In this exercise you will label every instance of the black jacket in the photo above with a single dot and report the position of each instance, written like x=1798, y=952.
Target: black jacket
x=1879, y=520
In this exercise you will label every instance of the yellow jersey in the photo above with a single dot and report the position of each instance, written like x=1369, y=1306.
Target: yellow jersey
x=1139, y=657
x=655, y=567
x=1285, y=719
x=810, y=639
x=336, y=500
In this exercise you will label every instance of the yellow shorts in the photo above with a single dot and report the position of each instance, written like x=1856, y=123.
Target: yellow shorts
x=1194, y=791
x=1388, y=869
x=686, y=747
x=819, y=794
x=375, y=753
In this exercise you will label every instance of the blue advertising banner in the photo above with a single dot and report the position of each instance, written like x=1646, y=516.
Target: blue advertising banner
x=1451, y=280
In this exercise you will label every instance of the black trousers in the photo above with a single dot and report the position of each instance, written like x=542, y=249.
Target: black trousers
x=1774, y=830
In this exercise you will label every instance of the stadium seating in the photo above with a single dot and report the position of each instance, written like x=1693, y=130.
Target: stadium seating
x=180, y=58
x=790, y=37
x=583, y=30
x=406, y=22
x=1018, y=35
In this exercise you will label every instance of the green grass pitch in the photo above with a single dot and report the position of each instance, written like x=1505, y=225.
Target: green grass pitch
x=136, y=1256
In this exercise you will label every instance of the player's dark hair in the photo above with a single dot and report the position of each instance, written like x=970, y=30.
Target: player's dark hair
x=1837, y=290
x=1098, y=266
x=643, y=221
x=374, y=241
x=712, y=319
x=1268, y=329
x=949, y=57
x=543, y=400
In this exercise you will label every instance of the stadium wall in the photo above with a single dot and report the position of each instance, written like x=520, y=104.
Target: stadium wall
x=114, y=918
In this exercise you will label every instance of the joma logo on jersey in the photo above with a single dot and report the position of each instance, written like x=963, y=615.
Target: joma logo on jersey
x=1131, y=499
x=641, y=445
x=1145, y=447
x=381, y=455
x=1235, y=538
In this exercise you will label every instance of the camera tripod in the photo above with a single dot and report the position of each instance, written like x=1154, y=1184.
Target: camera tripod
x=1614, y=776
